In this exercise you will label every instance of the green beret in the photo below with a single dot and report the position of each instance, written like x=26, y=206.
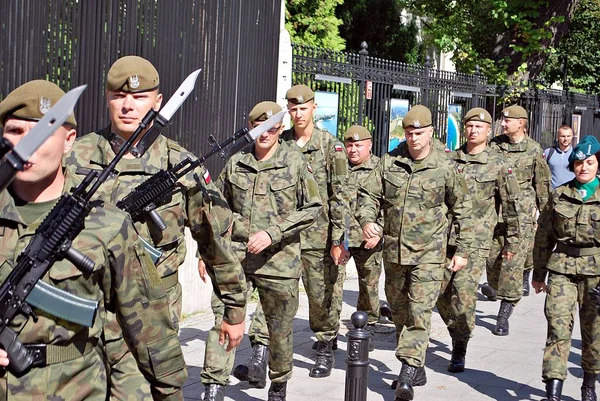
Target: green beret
x=299, y=94
x=263, y=111
x=132, y=74
x=417, y=117
x=31, y=101
x=587, y=147
x=478, y=114
x=357, y=133
x=514, y=111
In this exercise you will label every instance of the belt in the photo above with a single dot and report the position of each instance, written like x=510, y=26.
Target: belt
x=170, y=281
x=571, y=250
x=50, y=354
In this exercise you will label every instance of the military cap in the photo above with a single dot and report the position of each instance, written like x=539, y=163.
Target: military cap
x=514, y=111
x=299, y=94
x=417, y=117
x=31, y=101
x=132, y=74
x=357, y=133
x=587, y=147
x=263, y=111
x=478, y=114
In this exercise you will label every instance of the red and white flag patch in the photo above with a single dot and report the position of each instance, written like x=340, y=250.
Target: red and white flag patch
x=206, y=177
x=338, y=148
x=309, y=168
x=509, y=170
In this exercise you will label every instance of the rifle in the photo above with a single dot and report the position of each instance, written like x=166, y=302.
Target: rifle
x=156, y=190
x=52, y=242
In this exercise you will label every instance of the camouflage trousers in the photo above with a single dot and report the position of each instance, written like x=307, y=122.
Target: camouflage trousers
x=458, y=296
x=279, y=301
x=412, y=292
x=565, y=295
x=368, y=267
x=123, y=369
x=82, y=378
x=506, y=276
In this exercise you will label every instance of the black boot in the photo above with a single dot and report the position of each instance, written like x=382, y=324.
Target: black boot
x=408, y=378
x=588, y=388
x=385, y=312
x=489, y=292
x=554, y=389
x=214, y=392
x=277, y=391
x=333, y=344
x=526, y=283
x=457, y=360
x=325, y=360
x=256, y=371
x=506, y=309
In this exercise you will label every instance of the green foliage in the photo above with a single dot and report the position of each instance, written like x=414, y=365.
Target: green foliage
x=582, y=49
x=313, y=22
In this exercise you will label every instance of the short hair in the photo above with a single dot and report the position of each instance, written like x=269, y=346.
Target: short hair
x=565, y=127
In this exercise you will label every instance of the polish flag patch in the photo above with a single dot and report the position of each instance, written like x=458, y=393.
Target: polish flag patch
x=338, y=148
x=509, y=170
x=206, y=177
x=309, y=168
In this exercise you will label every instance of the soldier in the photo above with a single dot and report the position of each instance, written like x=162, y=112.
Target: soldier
x=567, y=244
x=323, y=253
x=132, y=89
x=417, y=186
x=493, y=188
x=366, y=254
x=274, y=197
x=507, y=278
x=68, y=366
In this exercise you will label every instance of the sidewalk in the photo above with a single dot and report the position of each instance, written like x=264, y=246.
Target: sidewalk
x=498, y=368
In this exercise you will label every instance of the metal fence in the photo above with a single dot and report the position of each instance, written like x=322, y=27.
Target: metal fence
x=74, y=42
x=374, y=92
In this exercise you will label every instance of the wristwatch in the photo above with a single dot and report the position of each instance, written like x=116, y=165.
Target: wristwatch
x=336, y=242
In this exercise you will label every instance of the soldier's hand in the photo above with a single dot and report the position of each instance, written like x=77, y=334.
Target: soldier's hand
x=232, y=332
x=371, y=230
x=259, y=242
x=339, y=254
x=202, y=270
x=538, y=286
x=372, y=242
x=508, y=255
x=457, y=263
x=3, y=358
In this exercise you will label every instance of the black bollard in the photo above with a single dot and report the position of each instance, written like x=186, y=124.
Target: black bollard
x=357, y=359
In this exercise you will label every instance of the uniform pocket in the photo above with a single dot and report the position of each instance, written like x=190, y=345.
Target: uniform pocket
x=283, y=196
x=392, y=185
x=433, y=193
x=486, y=186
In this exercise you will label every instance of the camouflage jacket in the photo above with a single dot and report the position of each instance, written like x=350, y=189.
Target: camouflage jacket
x=124, y=281
x=416, y=201
x=199, y=206
x=327, y=158
x=532, y=174
x=493, y=190
x=356, y=179
x=570, y=221
x=278, y=195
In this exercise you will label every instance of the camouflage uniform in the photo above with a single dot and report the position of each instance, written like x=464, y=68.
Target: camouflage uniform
x=280, y=196
x=573, y=226
x=493, y=188
x=124, y=282
x=368, y=261
x=533, y=176
x=416, y=199
x=199, y=206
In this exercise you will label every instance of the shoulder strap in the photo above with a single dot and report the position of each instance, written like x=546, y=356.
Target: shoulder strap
x=549, y=154
x=174, y=150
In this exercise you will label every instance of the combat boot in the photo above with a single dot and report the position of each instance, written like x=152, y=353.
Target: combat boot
x=526, y=283
x=506, y=309
x=420, y=380
x=588, y=388
x=277, y=391
x=409, y=377
x=457, y=360
x=255, y=373
x=325, y=360
x=554, y=389
x=214, y=392
x=333, y=344
x=489, y=292
x=385, y=312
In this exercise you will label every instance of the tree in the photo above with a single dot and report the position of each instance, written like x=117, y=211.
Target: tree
x=581, y=49
x=507, y=38
x=381, y=24
x=313, y=22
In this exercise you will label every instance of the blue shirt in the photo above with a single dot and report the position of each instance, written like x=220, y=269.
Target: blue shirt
x=559, y=166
